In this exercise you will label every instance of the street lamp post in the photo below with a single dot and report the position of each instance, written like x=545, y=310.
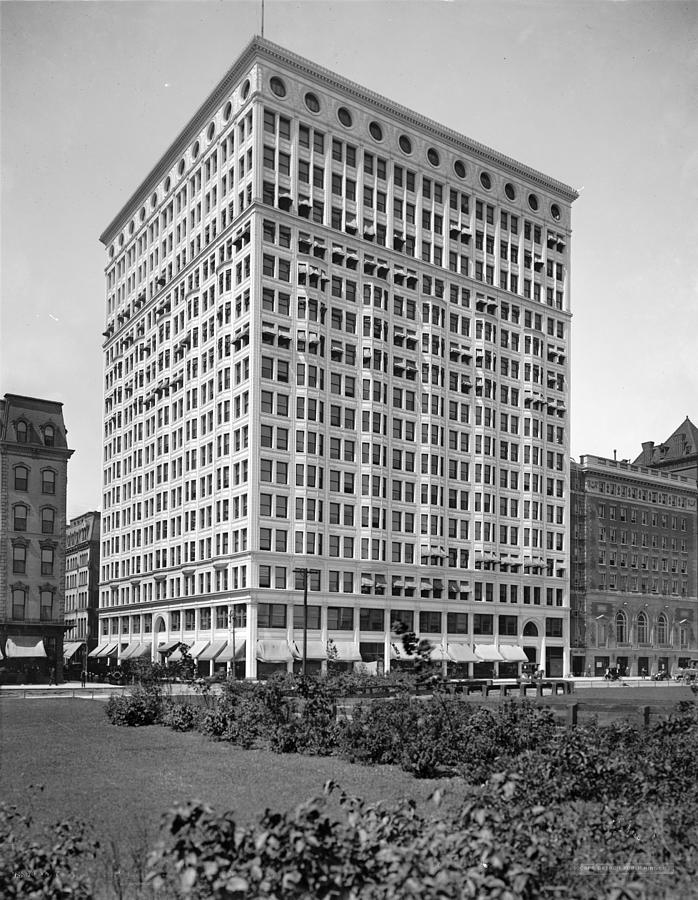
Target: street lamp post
x=305, y=619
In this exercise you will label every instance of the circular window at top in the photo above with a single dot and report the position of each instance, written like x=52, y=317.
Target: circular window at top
x=111, y=251
x=510, y=191
x=433, y=156
x=486, y=181
x=181, y=167
x=228, y=111
x=533, y=202
x=154, y=200
x=211, y=131
x=142, y=213
x=277, y=86
x=375, y=131
x=121, y=240
x=246, y=89
x=405, y=144
x=195, y=149
x=312, y=102
x=459, y=168
x=168, y=183
x=555, y=212
x=344, y=117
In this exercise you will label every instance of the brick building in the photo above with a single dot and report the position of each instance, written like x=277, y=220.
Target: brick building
x=34, y=458
x=634, y=568
x=82, y=543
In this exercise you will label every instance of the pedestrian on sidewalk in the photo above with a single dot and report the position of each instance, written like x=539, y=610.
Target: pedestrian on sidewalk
x=83, y=678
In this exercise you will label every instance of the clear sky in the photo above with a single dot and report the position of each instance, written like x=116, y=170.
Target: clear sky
x=602, y=96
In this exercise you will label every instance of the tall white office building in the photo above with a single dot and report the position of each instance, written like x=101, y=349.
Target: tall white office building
x=337, y=342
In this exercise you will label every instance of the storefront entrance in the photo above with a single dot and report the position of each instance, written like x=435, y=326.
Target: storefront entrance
x=601, y=663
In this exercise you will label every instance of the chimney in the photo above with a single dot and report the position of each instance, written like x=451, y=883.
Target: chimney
x=647, y=450
x=615, y=456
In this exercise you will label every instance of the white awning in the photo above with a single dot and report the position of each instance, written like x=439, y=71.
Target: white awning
x=212, y=651
x=177, y=654
x=513, y=653
x=461, y=653
x=71, y=648
x=347, y=651
x=316, y=649
x=438, y=653
x=104, y=650
x=170, y=645
x=226, y=655
x=198, y=648
x=488, y=653
x=274, y=651
x=21, y=647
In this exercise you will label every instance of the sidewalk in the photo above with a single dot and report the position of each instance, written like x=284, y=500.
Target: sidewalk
x=72, y=689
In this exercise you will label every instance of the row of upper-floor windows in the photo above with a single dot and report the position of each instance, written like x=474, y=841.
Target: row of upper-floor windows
x=633, y=515
x=23, y=604
x=21, y=559
x=21, y=513
x=23, y=431
x=22, y=478
x=639, y=539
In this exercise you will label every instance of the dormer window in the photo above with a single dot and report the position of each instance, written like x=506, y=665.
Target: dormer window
x=21, y=431
x=49, y=436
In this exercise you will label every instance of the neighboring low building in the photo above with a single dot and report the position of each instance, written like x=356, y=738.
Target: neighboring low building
x=81, y=588
x=633, y=585
x=33, y=477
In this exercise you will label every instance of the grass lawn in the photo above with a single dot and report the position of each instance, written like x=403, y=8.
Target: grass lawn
x=121, y=780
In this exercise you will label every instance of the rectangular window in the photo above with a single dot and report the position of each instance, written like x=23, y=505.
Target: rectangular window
x=271, y=615
x=340, y=618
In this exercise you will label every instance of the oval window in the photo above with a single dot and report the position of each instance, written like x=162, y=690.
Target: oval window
x=312, y=102
x=405, y=144
x=510, y=191
x=168, y=183
x=555, y=212
x=211, y=131
x=181, y=167
x=277, y=86
x=246, y=90
x=154, y=200
x=459, y=168
x=228, y=111
x=433, y=156
x=486, y=181
x=142, y=213
x=344, y=116
x=195, y=150
x=375, y=131
x=533, y=202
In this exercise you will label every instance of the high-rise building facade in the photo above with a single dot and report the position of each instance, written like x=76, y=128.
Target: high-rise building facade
x=34, y=458
x=82, y=546
x=634, y=598
x=336, y=347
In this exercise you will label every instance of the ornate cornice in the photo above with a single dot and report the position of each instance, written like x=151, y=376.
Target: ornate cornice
x=263, y=50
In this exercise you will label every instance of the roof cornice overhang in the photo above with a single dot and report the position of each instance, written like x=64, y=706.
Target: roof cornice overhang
x=261, y=49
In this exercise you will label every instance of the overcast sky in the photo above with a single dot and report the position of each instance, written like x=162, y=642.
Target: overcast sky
x=602, y=96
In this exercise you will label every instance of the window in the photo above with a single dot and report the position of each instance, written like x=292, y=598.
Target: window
x=299, y=618
x=642, y=629
x=19, y=559
x=47, y=560
x=48, y=481
x=662, y=630
x=340, y=618
x=508, y=625
x=271, y=615
x=21, y=432
x=483, y=623
x=457, y=623
x=19, y=517
x=19, y=600
x=46, y=605
x=48, y=520
x=371, y=619
x=553, y=627
x=21, y=478
x=430, y=622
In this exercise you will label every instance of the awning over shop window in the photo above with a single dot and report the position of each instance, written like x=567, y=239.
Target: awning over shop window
x=21, y=647
x=169, y=646
x=462, y=653
x=347, y=651
x=71, y=648
x=438, y=653
x=212, y=651
x=316, y=649
x=130, y=650
x=138, y=650
x=105, y=649
x=513, y=653
x=198, y=648
x=488, y=653
x=227, y=653
x=274, y=652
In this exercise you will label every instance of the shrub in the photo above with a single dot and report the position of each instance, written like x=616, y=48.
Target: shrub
x=48, y=865
x=142, y=706
x=181, y=716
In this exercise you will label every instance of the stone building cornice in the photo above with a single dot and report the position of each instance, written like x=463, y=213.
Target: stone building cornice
x=263, y=50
